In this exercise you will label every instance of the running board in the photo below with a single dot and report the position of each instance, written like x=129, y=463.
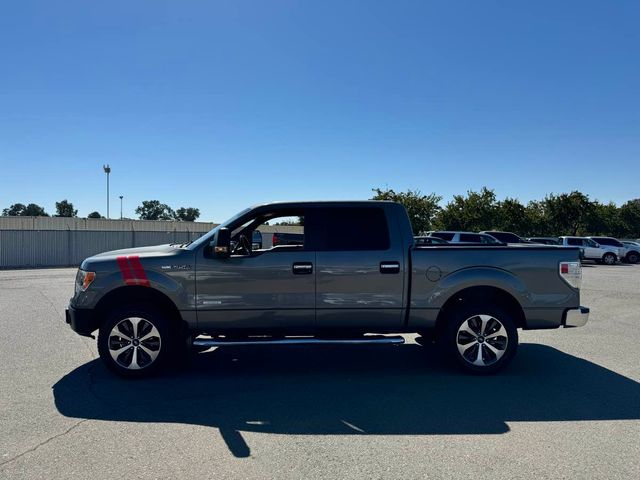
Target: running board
x=380, y=339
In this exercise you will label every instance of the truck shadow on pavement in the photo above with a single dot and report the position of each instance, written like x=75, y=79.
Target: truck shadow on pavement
x=357, y=390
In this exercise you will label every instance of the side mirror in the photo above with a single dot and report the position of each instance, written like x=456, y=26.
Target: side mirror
x=222, y=243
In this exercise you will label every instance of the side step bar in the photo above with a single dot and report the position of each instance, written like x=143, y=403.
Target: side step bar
x=212, y=342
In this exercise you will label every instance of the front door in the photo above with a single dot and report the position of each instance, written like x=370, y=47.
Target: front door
x=257, y=289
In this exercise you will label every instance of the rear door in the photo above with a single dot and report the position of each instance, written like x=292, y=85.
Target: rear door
x=360, y=269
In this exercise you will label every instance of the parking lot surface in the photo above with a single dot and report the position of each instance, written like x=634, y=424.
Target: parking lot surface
x=568, y=406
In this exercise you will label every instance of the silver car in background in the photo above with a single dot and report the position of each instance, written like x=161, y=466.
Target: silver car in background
x=613, y=243
x=464, y=237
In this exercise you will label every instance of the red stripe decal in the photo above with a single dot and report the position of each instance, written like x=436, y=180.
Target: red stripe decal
x=126, y=272
x=138, y=271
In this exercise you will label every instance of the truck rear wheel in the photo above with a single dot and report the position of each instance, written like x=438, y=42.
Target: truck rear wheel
x=609, y=259
x=135, y=341
x=483, y=339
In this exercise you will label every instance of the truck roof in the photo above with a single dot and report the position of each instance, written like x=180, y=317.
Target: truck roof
x=332, y=203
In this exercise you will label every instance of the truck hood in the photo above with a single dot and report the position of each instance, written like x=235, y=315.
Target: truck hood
x=141, y=251
x=102, y=260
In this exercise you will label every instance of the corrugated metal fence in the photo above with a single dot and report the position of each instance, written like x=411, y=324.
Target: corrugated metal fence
x=57, y=248
x=27, y=242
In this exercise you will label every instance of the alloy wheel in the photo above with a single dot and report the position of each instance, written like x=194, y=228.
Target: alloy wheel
x=482, y=340
x=134, y=343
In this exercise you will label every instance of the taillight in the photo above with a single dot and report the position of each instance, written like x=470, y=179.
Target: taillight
x=571, y=272
x=274, y=240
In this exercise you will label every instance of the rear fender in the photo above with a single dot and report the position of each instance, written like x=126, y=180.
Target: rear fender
x=475, y=277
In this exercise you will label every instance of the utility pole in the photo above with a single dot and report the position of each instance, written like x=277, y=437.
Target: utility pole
x=107, y=170
x=121, y=197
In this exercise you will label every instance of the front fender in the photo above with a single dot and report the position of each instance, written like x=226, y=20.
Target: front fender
x=172, y=285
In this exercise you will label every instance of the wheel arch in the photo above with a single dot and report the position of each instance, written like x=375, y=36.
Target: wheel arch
x=481, y=294
x=131, y=295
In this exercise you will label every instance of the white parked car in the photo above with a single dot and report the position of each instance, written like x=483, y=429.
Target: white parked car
x=593, y=250
x=633, y=251
x=613, y=242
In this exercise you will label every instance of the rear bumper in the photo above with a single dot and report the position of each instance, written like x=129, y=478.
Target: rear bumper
x=576, y=317
x=83, y=321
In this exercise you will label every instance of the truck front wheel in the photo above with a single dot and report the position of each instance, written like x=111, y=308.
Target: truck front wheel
x=482, y=339
x=135, y=341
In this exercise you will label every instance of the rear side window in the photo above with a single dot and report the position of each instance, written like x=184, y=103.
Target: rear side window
x=470, y=237
x=608, y=241
x=574, y=241
x=357, y=228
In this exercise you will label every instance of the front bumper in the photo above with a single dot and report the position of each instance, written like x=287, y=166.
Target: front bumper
x=83, y=321
x=576, y=317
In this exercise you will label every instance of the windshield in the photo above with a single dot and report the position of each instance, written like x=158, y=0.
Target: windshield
x=207, y=236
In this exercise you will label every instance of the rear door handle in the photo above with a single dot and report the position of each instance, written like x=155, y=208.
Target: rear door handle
x=389, y=267
x=302, y=268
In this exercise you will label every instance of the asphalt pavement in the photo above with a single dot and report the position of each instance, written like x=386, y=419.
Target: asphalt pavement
x=568, y=406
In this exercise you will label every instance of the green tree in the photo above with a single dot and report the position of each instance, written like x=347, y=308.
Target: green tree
x=475, y=212
x=15, y=210
x=568, y=213
x=511, y=216
x=630, y=218
x=20, y=210
x=422, y=209
x=65, y=209
x=154, y=210
x=188, y=214
x=94, y=215
x=535, y=224
x=604, y=219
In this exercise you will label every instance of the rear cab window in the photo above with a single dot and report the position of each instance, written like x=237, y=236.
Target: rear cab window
x=353, y=228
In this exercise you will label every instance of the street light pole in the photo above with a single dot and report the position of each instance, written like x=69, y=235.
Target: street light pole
x=107, y=170
x=121, y=197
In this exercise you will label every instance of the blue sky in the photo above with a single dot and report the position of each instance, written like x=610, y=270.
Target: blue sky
x=223, y=104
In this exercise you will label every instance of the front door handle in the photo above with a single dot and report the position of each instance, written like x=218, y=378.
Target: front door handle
x=302, y=268
x=389, y=267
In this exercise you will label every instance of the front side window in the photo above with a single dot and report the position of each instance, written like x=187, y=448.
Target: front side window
x=268, y=230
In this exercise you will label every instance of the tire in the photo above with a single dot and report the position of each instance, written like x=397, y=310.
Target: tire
x=465, y=338
x=633, y=257
x=609, y=258
x=137, y=341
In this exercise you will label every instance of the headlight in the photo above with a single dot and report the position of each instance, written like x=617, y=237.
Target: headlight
x=84, y=279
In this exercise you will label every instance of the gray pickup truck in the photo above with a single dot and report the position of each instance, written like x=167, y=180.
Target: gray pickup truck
x=357, y=277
